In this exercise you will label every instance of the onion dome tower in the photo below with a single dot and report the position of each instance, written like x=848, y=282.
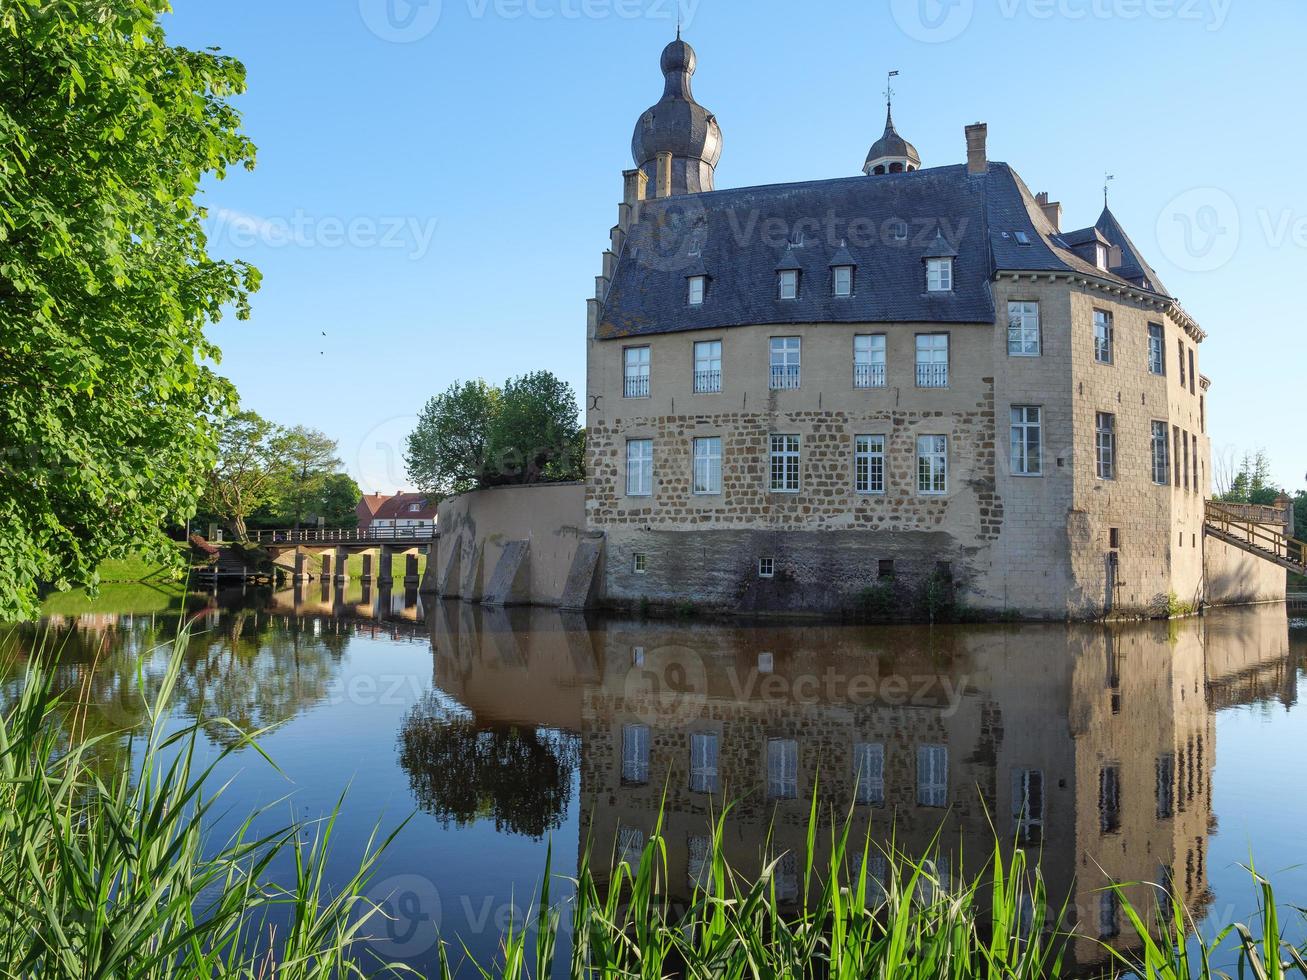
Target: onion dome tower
x=891, y=154
x=678, y=125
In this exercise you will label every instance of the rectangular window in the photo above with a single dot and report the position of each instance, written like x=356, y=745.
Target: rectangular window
x=1105, y=445
x=1180, y=349
x=1028, y=805
x=1109, y=799
x=877, y=873
x=788, y=283
x=784, y=464
x=869, y=773
x=708, y=465
x=708, y=367
x=932, y=464
x=782, y=769
x=785, y=362
x=1175, y=466
x=698, y=286
x=939, y=275
x=639, y=467
x=932, y=360
x=1184, y=439
x=639, y=563
x=635, y=754
x=1103, y=336
x=1109, y=918
x=869, y=360
x=1027, y=440
x=1161, y=457
x=869, y=464
x=1195, y=471
x=703, y=763
x=1165, y=786
x=1193, y=374
x=885, y=568
x=698, y=867
x=1023, y=329
x=630, y=846
x=636, y=378
x=766, y=568
x=1156, y=349
x=843, y=281
x=932, y=775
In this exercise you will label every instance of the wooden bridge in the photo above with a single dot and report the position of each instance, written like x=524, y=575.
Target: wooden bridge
x=371, y=538
x=1260, y=531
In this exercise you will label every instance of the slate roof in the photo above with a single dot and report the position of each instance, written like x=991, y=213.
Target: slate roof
x=740, y=237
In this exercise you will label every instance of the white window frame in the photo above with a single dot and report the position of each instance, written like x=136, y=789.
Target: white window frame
x=636, y=363
x=1027, y=440
x=639, y=467
x=939, y=275
x=785, y=357
x=1161, y=453
x=869, y=360
x=842, y=281
x=785, y=470
x=705, y=772
x=932, y=775
x=697, y=290
x=782, y=769
x=766, y=567
x=1157, y=349
x=869, y=464
x=787, y=284
x=932, y=360
x=635, y=755
x=707, y=367
x=639, y=563
x=1104, y=337
x=869, y=772
x=707, y=452
x=1023, y=337
x=1028, y=820
x=698, y=866
x=932, y=465
x=1105, y=445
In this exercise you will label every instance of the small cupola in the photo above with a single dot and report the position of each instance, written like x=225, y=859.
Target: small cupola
x=891, y=154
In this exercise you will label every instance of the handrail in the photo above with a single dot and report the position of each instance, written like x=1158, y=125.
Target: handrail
x=1257, y=513
x=348, y=535
x=1242, y=524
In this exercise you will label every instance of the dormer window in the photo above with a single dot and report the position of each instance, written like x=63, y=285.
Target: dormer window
x=1100, y=256
x=939, y=275
x=788, y=283
x=698, y=288
x=898, y=230
x=843, y=280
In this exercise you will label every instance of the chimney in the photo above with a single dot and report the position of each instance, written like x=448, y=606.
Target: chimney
x=663, y=182
x=1052, y=210
x=977, y=162
x=635, y=186
x=1115, y=257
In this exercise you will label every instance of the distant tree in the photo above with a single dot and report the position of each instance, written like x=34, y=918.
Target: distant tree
x=446, y=453
x=1251, y=483
x=310, y=457
x=534, y=433
x=107, y=407
x=336, y=501
x=1300, y=515
x=249, y=470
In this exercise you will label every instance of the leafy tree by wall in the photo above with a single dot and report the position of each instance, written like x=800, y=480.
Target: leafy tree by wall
x=532, y=434
x=446, y=452
x=106, y=285
x=249, y=470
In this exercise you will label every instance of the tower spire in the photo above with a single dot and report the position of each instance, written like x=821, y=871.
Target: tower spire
x=891, y=154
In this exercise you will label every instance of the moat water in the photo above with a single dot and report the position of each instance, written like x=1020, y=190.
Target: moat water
x=1144, y=753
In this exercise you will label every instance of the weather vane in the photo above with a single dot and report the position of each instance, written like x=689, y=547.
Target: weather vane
x=889, y=88
x=1107, y=179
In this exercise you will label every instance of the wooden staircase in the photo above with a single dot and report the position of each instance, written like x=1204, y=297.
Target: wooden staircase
x=1258, y=531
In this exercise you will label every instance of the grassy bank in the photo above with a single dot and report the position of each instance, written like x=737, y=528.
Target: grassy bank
x=135, y=586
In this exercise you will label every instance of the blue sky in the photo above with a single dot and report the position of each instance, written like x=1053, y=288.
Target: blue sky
x=436, y=181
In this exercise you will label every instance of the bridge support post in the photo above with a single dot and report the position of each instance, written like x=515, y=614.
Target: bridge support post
x=411, y=571
x=367, y=568
x=342, y=566
x=301, y=568
x=385, y=575
x=326, y=568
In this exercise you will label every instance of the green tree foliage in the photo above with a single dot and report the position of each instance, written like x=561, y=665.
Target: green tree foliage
x=447, y=451
x=106, y=285
x=336, y=501
x=532, y=435
x=1252, y=482
x=310, y=457
x=249, y=471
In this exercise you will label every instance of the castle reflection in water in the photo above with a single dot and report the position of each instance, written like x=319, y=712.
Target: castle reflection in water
x=1090, y=746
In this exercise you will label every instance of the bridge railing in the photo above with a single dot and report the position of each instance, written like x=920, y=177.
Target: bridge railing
x=1247, y=522
x=1256, y=513
x=346, y=535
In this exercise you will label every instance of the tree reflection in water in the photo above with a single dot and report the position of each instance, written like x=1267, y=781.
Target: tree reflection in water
x=519, y=776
